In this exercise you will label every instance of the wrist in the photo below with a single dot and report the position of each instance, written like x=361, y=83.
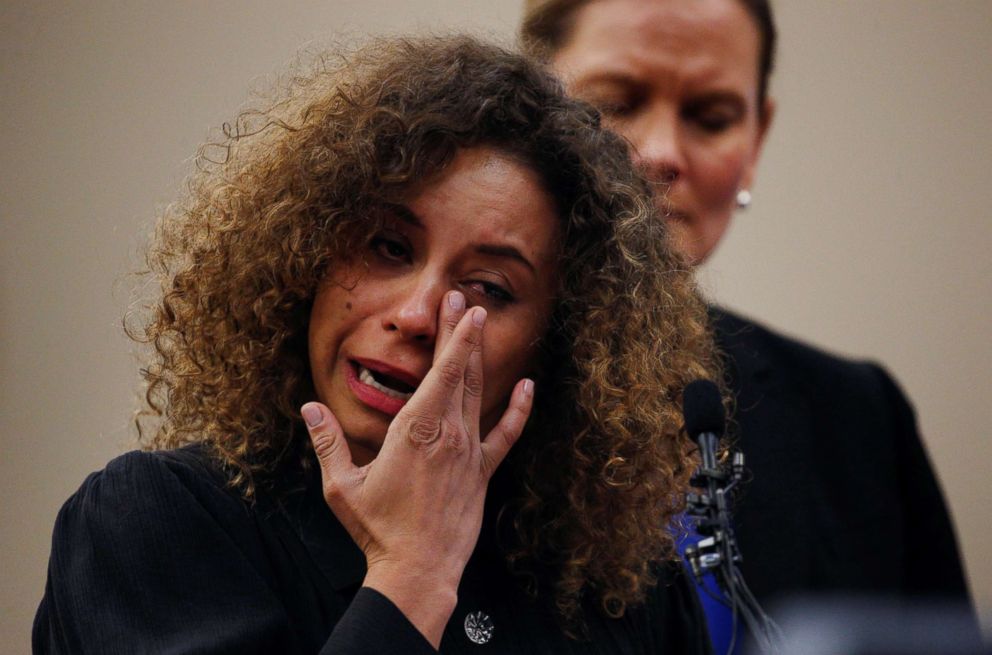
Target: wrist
x=424, y=597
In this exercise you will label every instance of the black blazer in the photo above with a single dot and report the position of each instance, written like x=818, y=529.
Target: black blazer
x=156, y=554
x=842, y=497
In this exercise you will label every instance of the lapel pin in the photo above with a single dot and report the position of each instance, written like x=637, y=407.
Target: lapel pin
x=479, y=627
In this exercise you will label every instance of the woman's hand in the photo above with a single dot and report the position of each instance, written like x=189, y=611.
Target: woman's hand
x=416, y=510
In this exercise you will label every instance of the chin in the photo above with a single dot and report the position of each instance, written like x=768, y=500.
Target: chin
x=697, y=241
x=364, y=431
x=688, y=241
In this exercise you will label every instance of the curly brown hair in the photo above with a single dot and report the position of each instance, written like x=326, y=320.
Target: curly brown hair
x=296, y=188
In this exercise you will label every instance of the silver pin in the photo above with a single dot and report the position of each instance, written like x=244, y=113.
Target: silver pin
x=479, y=627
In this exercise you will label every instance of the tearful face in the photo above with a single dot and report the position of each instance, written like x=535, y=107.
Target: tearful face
x=484, y=226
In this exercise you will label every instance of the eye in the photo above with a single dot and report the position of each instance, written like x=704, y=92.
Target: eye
x=614, y=103
x=713, y=121
x=714, y=117
x=489, y=291
x=614, y=108
x=392, y=248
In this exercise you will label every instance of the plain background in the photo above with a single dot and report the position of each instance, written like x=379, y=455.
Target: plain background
x=869, y=232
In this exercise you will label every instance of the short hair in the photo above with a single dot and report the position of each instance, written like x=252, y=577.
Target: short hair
x=292, y=191
x=547, y=26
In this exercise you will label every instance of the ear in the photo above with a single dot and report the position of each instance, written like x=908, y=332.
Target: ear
x=764, y=123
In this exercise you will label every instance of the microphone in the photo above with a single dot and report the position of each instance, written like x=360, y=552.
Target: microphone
x=702, y=409
x=717, y=551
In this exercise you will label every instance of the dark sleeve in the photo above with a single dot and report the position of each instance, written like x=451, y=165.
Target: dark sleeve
x=933, y=562
x=373, y=624
x=676, y=620
x=148, y=558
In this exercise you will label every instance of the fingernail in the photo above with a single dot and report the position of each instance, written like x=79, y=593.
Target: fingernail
x=311, y=414
x=456, y=300
x=528, y=387
x=479, y=317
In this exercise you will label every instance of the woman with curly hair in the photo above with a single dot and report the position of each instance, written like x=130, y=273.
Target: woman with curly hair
x=418, y=261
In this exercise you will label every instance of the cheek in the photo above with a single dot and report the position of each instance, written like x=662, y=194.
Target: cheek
x=332, y=312
x=508, y=356
x=718, y=177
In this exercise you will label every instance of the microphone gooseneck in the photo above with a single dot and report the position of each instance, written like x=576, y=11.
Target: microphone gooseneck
x=709, y=508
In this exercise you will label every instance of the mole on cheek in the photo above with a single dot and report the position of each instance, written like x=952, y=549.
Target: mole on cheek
x=347, y=305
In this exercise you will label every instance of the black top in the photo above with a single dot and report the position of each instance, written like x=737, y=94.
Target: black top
x=842, y=498
x=156, y=554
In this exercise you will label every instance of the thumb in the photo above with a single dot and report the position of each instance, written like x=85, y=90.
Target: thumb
x=336, y=468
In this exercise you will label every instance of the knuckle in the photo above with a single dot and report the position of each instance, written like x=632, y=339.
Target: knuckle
x=473, y=382
x=521, y=414
x=450, y=372
x=473, y=337
x=516, y=418
x=451, y=321
x=454, y=436
x=333, y=490
x=489, y=465
x=325, y=445
x=422, y=430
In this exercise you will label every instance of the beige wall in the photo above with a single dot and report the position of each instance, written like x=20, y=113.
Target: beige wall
x=870, y=230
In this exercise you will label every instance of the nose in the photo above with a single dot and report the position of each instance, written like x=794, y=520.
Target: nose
x=658, y=147
x=413, y=311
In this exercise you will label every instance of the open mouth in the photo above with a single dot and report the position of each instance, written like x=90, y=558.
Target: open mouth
x=385, y=383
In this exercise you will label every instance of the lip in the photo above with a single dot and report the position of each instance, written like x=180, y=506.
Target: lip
x=674, y=213
x=372, y=397
x=393, y=372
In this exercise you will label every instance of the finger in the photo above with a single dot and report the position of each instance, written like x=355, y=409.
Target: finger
x=449, y=313
x=502, y=437
x=472, y=390
x=441, y=390
x=337, y=471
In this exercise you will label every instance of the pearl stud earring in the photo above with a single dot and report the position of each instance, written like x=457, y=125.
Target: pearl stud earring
x=743, y=199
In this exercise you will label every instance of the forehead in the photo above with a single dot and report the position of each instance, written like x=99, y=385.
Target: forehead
x=487, y=196
x=684, y=38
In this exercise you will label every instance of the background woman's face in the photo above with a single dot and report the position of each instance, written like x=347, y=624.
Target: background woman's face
x=679, y=80
x=485, y=227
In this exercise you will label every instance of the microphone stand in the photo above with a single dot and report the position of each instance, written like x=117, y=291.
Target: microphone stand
x=717, y=552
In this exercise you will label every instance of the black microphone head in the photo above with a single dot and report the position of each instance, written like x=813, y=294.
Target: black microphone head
x=702, y=408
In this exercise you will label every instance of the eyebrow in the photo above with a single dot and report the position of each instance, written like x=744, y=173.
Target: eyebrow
x=505, y=251
x=610, y=77
x=731, y=97
x=607, y=76
x=406, y=215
